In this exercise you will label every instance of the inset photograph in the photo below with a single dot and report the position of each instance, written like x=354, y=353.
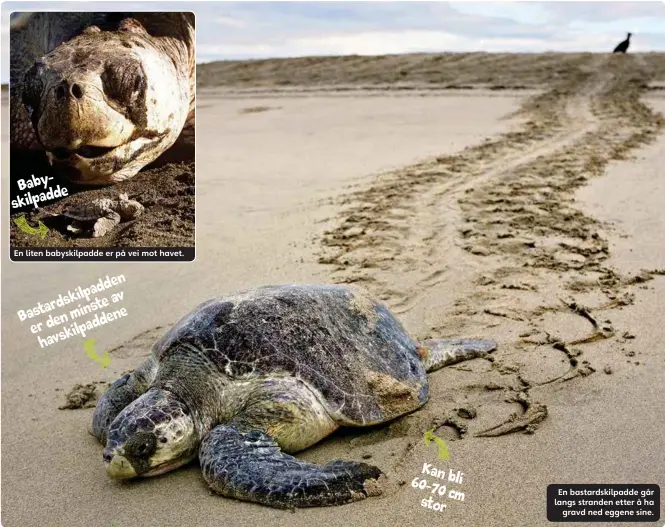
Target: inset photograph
x=102, y=156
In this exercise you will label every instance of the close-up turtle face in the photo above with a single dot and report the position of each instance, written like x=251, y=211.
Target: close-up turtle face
x=153, y=435
x=106, y=103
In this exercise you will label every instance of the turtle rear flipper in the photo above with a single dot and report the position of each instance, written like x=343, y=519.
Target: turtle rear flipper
x=437, y=353
x=250, y=466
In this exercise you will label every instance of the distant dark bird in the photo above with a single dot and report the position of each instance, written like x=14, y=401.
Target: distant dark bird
x=622, y=47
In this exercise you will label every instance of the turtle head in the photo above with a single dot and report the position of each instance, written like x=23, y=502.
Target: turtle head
x=107, y=103
x=153, y=435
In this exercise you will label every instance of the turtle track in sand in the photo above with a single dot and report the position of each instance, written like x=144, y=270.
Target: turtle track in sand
x=489, y=240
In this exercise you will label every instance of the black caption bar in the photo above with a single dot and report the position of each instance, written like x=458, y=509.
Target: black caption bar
x=606, y=503
x=102, y=254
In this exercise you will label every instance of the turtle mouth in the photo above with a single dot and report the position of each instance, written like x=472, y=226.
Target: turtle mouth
x=119, y=467
x=87, y=152
x=168, y=466
x=105, y=165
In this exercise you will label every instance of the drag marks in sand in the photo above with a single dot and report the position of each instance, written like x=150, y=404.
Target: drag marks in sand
x=488, y=242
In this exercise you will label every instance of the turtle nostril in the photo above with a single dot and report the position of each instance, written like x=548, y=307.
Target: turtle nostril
x=107, y=457
x=76, y=91
x=60, y=91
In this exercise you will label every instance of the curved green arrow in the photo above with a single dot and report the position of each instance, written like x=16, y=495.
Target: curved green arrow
x=22, y=224
x=440, y=444
x=89, y=346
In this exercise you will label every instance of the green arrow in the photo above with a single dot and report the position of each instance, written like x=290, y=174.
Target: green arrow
x=89, y=346
x=22, y=224
x=440, y=443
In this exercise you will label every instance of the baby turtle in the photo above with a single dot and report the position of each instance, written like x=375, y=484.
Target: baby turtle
x=245, y=380
x=105, y=212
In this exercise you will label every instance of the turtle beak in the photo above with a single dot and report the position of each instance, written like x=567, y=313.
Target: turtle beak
x=119, y=468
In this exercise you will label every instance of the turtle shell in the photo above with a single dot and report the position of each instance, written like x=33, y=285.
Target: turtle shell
x=348, y=347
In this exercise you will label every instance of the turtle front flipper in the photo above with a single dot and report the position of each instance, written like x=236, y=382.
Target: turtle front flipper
x=437, y=353
x=119, y=395
x=250, y=466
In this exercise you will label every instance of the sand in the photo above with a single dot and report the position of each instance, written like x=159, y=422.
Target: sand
x=518, y=216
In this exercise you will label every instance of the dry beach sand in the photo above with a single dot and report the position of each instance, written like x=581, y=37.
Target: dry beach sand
x=531, y=214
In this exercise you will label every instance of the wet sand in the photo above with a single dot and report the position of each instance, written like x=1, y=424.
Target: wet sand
x=466, y=222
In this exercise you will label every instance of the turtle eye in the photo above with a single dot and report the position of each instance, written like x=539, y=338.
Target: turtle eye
x=142, y=445
x=123, y=82
x=139, y=81
x=125, y=85
x=143, y=448
x=112, y=81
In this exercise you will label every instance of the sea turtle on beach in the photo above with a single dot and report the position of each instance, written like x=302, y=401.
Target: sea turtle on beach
x=246, y=379
x=104, y=94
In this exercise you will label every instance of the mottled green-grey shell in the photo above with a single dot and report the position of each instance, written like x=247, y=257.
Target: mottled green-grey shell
x=347, y=347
